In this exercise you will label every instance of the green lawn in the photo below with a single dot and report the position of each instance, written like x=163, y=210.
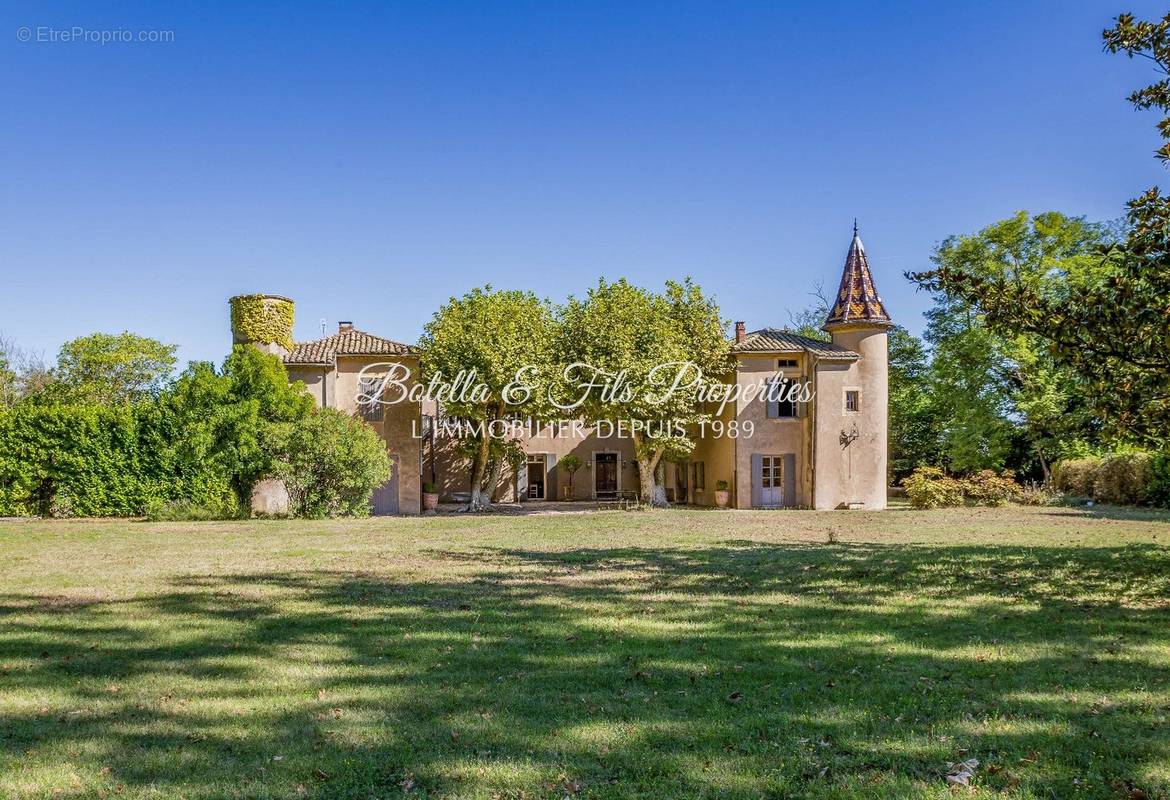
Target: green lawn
x=675, y=654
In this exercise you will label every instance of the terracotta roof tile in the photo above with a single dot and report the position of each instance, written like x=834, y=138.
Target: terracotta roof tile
x=345, y=343
x=779, y=340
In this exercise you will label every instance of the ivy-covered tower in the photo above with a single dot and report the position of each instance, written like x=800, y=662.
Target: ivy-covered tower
x=263, y=320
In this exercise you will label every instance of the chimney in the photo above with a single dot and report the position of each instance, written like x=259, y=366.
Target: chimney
x=344, y=326
x=740, y=333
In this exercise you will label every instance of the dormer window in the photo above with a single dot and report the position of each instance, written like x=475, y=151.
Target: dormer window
x=786, y=362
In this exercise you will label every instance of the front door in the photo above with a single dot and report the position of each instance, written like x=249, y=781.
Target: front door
x=535, y=477
x=771, y=481
x=386, y=495
x=680, y=483
x=605, y=475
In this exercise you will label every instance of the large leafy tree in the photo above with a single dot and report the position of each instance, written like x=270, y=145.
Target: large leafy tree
x=114, y=368
x=913, y=419
x=213, y=422
x=625, y=332
x=1108, y=321
x=968, y=390
x=995, y=387
x=498, y=335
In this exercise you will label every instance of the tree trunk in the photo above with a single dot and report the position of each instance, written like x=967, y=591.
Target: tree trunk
x=651, y=489
x=1047, y=472
x=481, y=491
x=478, y=472
x=493, y=482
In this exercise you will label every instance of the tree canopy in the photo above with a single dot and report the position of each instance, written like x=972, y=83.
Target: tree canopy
x=506, y=339
x=628, y=334
x=114, y=368
x=1105, y=314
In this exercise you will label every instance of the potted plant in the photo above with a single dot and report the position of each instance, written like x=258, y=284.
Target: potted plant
x=722, y=495
x=569, y=464
x=430, y=498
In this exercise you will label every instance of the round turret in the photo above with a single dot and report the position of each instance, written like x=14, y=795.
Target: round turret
x=263, y=320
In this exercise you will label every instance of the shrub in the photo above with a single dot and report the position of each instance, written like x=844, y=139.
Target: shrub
x=1158, y=490
x=1123, y=479
x=722, y=486
x=929, y=487
x=330, y=463
x=70, y=460
x=430, y=488
x=1033, y=495
x=987, y=488
x=1076, y=476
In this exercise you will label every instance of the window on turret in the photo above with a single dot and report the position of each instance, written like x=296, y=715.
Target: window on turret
x=852, y=400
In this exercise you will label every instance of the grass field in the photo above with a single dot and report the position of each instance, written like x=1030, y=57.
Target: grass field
x=675, y=654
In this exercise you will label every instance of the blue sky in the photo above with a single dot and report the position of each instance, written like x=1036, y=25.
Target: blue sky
x=370, y=160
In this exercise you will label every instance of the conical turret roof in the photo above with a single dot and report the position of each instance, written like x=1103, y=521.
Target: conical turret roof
x=857, y=300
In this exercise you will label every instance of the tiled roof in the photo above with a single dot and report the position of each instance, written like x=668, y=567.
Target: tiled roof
x=345, y=343
x=778, y=340
x=857, y=298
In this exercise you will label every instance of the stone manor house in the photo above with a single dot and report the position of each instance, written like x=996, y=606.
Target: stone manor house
x=827, y=453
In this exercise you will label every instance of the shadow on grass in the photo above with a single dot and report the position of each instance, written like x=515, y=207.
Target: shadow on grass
x=742, y=670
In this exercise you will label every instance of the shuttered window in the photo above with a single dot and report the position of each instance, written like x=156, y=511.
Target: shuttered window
x=368, y=406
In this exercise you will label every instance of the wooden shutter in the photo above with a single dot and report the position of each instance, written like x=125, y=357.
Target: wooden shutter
x=789, y=498
x=757, y=477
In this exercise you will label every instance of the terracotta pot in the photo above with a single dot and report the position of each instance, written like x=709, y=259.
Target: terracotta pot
x=430, y=501
x=722, y=498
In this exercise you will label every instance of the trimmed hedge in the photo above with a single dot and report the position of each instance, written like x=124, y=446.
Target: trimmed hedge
x=1075, y=476
x=1118, y=479
x=96, y=461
